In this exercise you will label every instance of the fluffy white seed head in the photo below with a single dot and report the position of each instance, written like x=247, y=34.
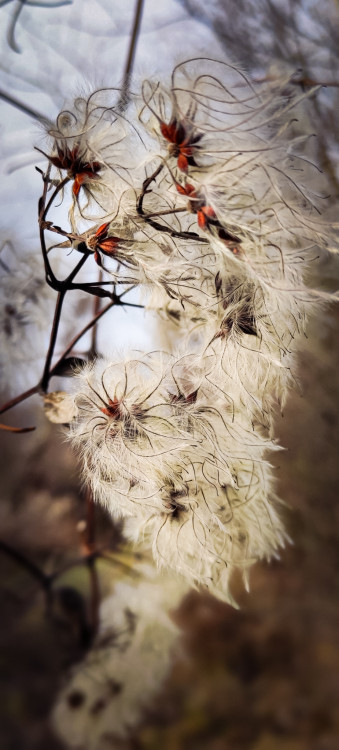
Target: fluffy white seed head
x=207, y=532
x=109, y=692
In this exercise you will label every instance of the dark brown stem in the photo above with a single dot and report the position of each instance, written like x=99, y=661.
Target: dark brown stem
x=155, y=224
x=180, y=235
x=80, y=335
x=25, y=563
x=97, y=291
x=145, y=185
x=305, y=81
x=24, y=108
x=45, y=208
x=45, y=581
x=301, y=81
x=8, y=428
x=43, y=211
x=50, y=227
x=122, y=104
x=36, y=388
x=56, y=321
x=50, y=277
x=18, y=399
x=86, y=284
x=165, y=213
x=131, y=304
x=68, y=281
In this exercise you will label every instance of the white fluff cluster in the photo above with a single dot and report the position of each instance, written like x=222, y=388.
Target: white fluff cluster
x=219, y=222
x=112, y=688
x=165, y=448
x=92, y=146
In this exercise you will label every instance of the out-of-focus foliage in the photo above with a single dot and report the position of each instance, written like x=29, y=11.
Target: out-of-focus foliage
x=299, y=35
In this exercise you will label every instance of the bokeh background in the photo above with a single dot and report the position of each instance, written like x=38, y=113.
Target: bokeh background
x=266, y=676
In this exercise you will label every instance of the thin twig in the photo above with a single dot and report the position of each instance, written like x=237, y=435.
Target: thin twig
x=155, y=224
x=50, y=276
x=145, y=185
x=8, y=428
x=77, y=338
x=50, y=227
x=56, y=322
x=165, y=213
x=36, y=388
x=18, y=399
x=54, y=333
x=22, y=560
x=123, y=101
x=24, y=108
x=60, y=186
x=305, y=81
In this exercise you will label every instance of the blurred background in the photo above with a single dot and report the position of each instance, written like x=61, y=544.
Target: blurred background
x=266, y=676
